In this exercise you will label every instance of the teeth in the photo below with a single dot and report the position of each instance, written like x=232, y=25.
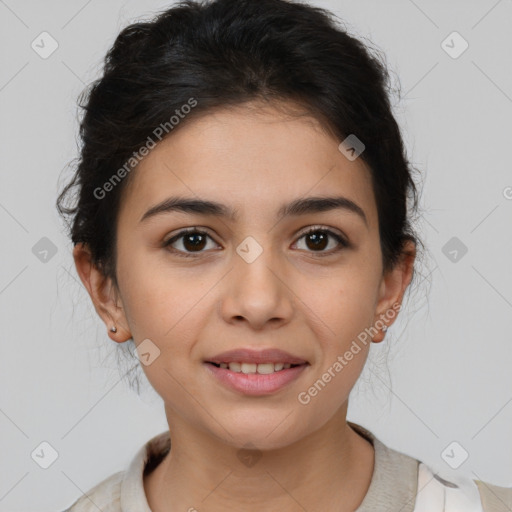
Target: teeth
x=235, y=367
x=262, y=368
x=248, y=368
x=265, y=368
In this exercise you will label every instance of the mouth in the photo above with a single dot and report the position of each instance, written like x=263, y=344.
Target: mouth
x=253, y=372
x=248, y=356
x=252, y=368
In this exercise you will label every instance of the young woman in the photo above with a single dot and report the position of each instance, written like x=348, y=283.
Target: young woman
x=243, y=220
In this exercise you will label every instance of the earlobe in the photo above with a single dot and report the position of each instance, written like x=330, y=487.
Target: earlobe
x=102, y=294
x=392, y=290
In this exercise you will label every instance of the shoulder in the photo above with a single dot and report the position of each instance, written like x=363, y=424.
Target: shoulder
x=454, y=493
x=494, y=497
x=419, y=487
x=124, y=490
x=105, y=496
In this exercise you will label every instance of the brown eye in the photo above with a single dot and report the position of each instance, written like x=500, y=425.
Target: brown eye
x=317, y=239
x=192, y=241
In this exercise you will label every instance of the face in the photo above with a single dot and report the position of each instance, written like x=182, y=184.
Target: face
x=307, y=283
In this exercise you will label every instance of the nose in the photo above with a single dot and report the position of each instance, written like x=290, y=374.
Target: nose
x=258, y=288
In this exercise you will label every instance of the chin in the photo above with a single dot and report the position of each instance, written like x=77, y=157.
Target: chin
x=263, y=431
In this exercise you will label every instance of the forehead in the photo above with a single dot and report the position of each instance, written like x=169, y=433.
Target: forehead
x=254, y=159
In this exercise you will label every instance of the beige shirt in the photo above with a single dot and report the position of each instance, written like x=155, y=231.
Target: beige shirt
x=393, y=486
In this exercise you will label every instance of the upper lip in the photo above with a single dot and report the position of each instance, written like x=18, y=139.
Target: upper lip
x=245, y=355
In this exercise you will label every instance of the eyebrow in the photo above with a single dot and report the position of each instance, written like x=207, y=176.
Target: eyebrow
x=298, y=207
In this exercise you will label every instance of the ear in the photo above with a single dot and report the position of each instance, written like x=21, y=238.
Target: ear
x=393, y=286
x=103, y=294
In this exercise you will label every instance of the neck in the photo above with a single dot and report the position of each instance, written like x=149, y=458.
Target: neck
x=329, y=469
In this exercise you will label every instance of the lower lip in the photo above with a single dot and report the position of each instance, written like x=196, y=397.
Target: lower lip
x=256, y=383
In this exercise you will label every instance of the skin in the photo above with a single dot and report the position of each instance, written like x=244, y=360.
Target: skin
x=254, y=160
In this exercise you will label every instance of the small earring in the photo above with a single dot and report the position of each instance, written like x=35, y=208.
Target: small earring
x=113, y=329
x=383, y=333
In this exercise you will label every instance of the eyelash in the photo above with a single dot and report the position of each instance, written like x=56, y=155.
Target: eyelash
x=343, y=243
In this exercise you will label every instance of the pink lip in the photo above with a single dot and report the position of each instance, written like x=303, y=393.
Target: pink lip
x=255, y=384
x=243, y=355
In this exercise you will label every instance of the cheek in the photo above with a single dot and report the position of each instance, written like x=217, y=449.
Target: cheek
x=167, y=309
x=161, y=302
x=172, y=322
x=341, y=307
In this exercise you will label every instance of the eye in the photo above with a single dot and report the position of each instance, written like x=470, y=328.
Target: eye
x=317, y=238
x=192, y=240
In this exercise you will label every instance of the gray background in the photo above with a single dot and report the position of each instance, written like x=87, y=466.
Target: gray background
x=451, y=358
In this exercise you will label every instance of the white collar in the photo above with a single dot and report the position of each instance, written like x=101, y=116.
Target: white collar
x=458, y=494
